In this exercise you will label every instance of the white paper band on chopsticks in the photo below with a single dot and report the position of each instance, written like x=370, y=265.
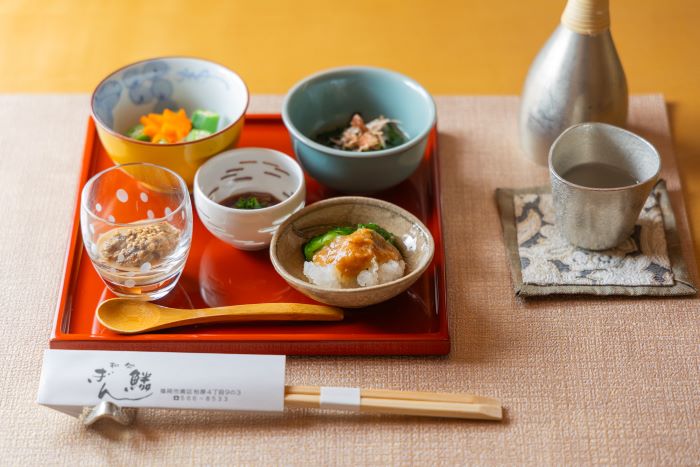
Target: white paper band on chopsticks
x=73, y=379
x=340, y=398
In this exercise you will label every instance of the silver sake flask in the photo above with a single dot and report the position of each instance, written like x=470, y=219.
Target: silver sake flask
x=576, y=77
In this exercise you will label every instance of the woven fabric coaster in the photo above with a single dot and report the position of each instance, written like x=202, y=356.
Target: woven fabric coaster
x=544, y=263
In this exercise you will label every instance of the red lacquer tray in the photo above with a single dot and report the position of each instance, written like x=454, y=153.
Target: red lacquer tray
x=414, y=323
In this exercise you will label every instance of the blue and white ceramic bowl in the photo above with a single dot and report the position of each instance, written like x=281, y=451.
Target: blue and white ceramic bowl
x=169, y=82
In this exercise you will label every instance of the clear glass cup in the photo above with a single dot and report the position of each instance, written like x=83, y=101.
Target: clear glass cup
x=136, y=222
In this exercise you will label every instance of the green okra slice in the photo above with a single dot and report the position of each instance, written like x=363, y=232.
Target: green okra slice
x=136, y=132
x=319, y=241
x=196, y=134
x=205, y=120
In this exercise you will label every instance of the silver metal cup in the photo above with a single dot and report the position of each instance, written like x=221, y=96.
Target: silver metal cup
x=600, y=218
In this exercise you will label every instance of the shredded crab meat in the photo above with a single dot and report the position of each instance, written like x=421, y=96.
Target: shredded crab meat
x=363, y=137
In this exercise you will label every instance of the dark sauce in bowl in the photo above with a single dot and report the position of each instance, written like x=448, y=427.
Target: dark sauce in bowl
x=250, y=200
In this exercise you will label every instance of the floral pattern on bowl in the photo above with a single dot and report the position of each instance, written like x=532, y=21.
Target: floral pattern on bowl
x=151, y=86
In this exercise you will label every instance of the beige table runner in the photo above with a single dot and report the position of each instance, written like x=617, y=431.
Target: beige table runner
x=583, y=380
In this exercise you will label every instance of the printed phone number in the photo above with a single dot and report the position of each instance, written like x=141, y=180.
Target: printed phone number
x=205, y=395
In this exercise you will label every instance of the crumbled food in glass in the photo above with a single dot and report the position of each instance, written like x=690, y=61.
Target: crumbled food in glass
x=133, y=246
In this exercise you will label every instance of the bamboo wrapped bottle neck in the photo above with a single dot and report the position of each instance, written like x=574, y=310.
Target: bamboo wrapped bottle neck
x=586, y=16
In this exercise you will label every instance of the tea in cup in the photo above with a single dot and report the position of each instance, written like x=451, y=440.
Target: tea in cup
x=601, y=177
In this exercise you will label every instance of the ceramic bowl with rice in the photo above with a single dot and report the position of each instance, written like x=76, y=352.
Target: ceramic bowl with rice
x=352, y=251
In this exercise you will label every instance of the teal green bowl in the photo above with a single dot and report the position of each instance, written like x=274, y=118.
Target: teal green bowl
x=327, y=100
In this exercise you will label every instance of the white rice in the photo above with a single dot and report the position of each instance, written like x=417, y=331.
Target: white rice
x=375, y=274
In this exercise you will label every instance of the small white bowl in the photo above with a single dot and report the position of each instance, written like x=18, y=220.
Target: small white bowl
x=244, y=170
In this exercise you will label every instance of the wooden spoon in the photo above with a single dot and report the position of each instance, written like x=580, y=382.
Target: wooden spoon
x=127, y=316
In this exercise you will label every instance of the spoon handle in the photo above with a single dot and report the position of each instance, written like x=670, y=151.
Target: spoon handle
x=248, y=313
x=269, y=312
x=132, y=317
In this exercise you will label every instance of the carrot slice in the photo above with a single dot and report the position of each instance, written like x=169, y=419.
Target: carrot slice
x=167, y=126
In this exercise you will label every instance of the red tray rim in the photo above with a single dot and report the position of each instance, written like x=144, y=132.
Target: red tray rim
x=439, y=339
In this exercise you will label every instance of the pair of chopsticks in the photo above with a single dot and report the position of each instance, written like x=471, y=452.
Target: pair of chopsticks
x=424, y=404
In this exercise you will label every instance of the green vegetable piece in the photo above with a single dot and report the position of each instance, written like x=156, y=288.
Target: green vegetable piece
x=136, y=132
x=388, y=236
x=195, y=134
x=248, y=203
x=205, y=120
x=393, y=136
x=315, y=244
